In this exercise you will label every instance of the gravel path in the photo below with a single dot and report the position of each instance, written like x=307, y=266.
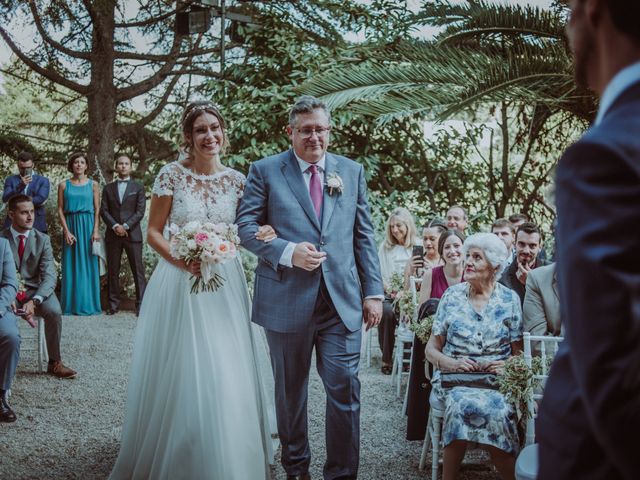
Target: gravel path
x=71, y=428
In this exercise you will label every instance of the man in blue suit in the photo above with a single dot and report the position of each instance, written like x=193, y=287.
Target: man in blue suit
x=314, y=283
x=9, y=333
x=28, y=183
x=590, y=413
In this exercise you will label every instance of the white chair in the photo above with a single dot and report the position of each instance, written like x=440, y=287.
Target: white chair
x=34, y=342
x=432, y=435
x=368, y=343
x=403, y=348
x=527, y=462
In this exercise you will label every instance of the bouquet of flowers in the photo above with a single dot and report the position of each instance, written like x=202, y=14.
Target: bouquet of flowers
x=208, y=243
x=21, y=296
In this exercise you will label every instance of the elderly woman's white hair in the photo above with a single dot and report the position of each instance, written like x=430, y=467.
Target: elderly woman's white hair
x=493, y=248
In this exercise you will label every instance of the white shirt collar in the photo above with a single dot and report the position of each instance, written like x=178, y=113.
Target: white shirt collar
x=15, y=233
x=618, y=84
x=304, y=165
x=123, y=179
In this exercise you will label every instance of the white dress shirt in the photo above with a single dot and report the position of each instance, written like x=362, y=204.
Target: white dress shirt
x=618, y=84
x=122, y=187
x=286, y=259
x=15, y=234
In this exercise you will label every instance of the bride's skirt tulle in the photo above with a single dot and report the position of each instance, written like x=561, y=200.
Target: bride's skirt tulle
x=196, y=408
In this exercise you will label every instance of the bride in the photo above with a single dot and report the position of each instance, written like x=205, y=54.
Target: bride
x=195, y=403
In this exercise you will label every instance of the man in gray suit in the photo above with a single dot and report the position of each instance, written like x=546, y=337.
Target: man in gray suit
x=313, y=283
x=33, y=259
x=9, y=333
x=541, y=308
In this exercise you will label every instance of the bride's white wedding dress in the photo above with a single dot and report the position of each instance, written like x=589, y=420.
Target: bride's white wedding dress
x=196, y=405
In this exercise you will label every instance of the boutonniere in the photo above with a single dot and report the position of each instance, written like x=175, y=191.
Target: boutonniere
x=334, y=182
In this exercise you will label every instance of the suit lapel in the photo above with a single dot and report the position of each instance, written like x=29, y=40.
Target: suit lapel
x=329, y=201
x=6, y=233
x=554, y=285
x=293, y=176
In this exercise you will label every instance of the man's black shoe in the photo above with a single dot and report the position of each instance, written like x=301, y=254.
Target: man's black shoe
x=111, y=312
x=6, y=414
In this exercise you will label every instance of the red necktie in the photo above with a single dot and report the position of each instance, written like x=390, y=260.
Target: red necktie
x=21, y=246
x=315, y=190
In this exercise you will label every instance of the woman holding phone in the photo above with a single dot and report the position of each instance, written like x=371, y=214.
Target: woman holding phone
x=79, y=210
x=394, y=253
x=424, y=257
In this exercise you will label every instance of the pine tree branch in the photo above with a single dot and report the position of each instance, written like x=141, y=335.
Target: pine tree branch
x=45, y=72
x=45, y=36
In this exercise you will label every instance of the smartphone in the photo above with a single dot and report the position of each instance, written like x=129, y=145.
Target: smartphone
x=28, y=171
x=418, y=251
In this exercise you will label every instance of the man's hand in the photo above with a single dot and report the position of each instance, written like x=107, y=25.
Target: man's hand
x=28, y=317
x=372, y=312
x=29, y=308
x=521, y=274
x=306, y=256
x=120, y=231
x=26, y=180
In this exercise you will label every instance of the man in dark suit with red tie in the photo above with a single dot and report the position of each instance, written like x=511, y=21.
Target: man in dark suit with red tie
x=122, y=209
x=590, y=413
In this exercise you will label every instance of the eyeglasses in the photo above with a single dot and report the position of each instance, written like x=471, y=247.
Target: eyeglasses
x=308, y=132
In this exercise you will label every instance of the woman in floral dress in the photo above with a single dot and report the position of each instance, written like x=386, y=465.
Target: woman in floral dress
x=477, y=327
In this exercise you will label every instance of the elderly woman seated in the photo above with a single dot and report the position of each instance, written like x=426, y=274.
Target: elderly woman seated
x=477, y=327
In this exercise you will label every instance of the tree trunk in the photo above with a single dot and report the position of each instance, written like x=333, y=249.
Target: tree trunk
x=102, y=103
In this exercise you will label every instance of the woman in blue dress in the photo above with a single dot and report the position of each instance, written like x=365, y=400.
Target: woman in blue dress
x=78, y=209
x=477, y=327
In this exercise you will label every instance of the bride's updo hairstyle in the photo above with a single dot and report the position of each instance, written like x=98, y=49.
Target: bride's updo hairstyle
x=189, y=117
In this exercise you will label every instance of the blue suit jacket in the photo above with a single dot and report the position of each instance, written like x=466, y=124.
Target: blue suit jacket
x=38, y=191
x=591, y=407
x=276, y=195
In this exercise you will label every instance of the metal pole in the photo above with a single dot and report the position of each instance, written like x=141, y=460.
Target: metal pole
x=223, y=11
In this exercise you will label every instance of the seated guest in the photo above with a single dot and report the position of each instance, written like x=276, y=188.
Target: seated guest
x=457, y=218
x=434, y=284
x=33, y=259
x=28, y=183
x=505, y=231
x=394, y=253
x=431, y=258
x=9, y=333
x=541, y=308
x=528, y=245
x=478, y=326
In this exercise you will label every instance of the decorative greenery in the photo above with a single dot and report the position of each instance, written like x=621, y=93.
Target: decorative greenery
x=516, y=379
x=422, y=328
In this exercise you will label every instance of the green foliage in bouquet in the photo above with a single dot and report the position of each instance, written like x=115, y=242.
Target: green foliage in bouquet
x=422, y=328
x=516, y=379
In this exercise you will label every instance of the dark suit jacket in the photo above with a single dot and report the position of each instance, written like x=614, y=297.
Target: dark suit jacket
x=38, y=270
x=130, y=211
x=510, y=280
x=591, y=405
x=38, y=191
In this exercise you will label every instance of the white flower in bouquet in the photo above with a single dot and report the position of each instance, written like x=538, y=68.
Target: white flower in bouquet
x=208, y=243
x=192, y=227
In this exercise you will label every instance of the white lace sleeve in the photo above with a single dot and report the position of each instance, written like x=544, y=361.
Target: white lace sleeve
x=165, y=181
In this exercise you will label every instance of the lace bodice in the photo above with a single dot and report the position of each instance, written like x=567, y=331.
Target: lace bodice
x=205, y=198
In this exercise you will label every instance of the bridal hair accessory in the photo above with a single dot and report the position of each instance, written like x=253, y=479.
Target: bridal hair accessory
x=207, y=243
x=334, y=182
x=199, y=108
